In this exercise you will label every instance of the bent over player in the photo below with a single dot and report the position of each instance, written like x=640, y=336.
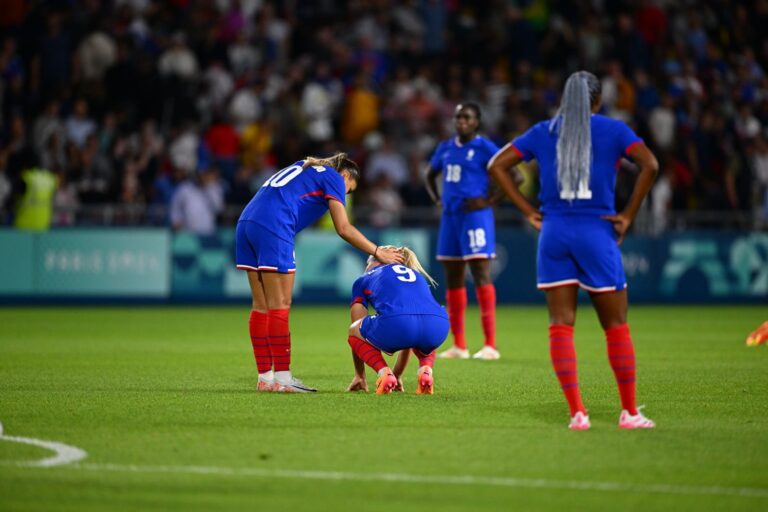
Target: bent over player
x=578, y=153
x=407, y=318
x=467, y=232
x=289, y=201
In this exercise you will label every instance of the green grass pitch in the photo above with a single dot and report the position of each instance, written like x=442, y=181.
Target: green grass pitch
x=162, y=400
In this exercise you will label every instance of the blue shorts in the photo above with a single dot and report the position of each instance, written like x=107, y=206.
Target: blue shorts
x=399, y=332
x=579, y=250
x=258, y=249
x=467, y=236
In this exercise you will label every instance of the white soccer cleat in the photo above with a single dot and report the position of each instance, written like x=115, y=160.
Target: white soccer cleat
x=487, y=353
x=579, y=421
x=293, y=385
x=630, y=421
x=267, y=385
x=454, y=353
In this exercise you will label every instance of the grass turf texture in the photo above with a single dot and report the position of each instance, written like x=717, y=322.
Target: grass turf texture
x=175, y=387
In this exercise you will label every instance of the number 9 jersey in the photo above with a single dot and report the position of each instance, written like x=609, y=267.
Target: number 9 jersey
x=408, y=316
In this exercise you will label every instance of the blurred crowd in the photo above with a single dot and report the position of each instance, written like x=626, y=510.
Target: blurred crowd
x=190, y=104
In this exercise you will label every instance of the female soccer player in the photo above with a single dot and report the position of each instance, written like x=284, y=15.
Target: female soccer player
x=289, y=201
x=467, y=232
x=578, y=153
x=407, y=318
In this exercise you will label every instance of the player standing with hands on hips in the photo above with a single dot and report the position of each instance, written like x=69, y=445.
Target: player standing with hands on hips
x=289, y=201
x=467, y=232
x=578, y=152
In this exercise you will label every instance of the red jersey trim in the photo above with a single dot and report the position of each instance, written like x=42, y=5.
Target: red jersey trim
x=328, y=196
x=629, y=148
x=313, y=193
x=358, y=300
x=517, y=151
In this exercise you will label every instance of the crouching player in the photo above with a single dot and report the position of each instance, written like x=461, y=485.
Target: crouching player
x=407, y=317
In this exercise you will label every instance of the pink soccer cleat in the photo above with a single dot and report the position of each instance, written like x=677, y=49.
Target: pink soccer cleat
x=425, y=384
x=630, y=421
x=759, y=336
x=579, y=421
x=386, y=383
x=265, y=385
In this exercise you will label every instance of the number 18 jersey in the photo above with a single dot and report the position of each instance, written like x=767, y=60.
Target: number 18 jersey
x=463, y=168
x=294, y=198
x=395, y=290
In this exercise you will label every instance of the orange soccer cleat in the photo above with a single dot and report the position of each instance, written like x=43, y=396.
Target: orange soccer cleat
x=425, y=384
x=386, y=383
x=759, y=336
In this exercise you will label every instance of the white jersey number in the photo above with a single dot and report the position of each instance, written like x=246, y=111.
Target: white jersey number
x=582, y=193
x=282, y=178
x=476, y=238
x=406, y=274
x=453, y=173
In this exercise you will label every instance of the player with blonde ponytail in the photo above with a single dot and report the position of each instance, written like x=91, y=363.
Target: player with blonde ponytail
x=407, y=318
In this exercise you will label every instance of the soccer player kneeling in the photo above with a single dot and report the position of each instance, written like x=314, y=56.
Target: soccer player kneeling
x=407, y=319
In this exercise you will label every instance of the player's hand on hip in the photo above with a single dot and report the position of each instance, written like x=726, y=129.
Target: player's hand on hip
x=390, y=255
x=534, y=220
x=620, y=225
x=475, y=203
x=358, y=384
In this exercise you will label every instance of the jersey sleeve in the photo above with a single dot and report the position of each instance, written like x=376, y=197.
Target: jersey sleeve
x=334, y=187
x=627, y=138
x=525, y=144
x=490, y=149
x=358, y=292
x=436, y=161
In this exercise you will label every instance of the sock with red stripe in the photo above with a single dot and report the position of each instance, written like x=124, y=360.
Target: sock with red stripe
x=563, y=354
x=425, y=360
x=486, y=297
x=456, y=300
x=280, y=339
x=621, y=354
x=258, y=327
x=368, y=353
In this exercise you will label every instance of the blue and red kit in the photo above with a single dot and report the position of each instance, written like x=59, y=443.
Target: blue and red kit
x=576, y=245
x=290, y=200
x=407, y=315
x=464, y=235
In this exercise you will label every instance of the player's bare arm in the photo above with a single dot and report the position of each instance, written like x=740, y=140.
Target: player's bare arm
x=356, y=239
x=431, y=184
x=498, y=168
x=649, y=167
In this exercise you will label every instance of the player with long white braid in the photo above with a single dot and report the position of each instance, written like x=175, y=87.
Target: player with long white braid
x=408, y=318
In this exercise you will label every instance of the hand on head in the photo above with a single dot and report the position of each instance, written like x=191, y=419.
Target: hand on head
x=387, y=255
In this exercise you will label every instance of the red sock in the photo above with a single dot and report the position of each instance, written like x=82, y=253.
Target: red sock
x=456, y=299
x=621, y=354
x=486, y=297
x=258, y=327
x=425, y=360
x=367, y=352
x=280, y=339
x=563, y=354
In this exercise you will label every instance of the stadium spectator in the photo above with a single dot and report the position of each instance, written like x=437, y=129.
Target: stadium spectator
x=196, y=202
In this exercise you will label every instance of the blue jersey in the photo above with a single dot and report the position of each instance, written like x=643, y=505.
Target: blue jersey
x=294, y=198
x=611, y=140
x=395, y=290
x=463, y=167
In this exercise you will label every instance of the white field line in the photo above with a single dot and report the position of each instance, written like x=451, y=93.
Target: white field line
x=406, y=478
x=65, y=454
x=69, y=456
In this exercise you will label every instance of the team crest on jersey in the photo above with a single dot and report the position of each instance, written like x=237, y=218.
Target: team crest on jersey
x=470, y=154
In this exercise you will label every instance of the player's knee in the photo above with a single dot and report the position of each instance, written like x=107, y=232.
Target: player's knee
x=562, y=318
